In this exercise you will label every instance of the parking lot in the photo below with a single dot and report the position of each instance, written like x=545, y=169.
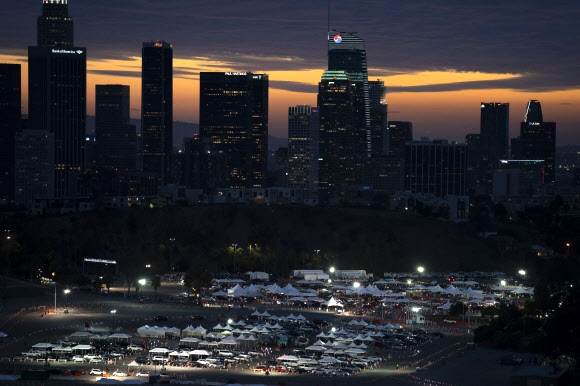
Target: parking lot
x=438, y=358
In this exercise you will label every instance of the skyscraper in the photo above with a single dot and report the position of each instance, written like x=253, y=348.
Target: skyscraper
x=400, y=132
x=302, y=147
x=538, y=140
x=55, y=27
x=10, y=91
x=115, y=137
x=57, y=93
x=494, y=135
x=347, y=52
x=157, y=109
x=233, y=115
x=34, y=166
x=437, y=168
x=378, y=114
x=340, y=149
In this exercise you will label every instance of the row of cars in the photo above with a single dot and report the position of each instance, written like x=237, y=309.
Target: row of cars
x=99, y=355
x=220, y=360
x=308, y=365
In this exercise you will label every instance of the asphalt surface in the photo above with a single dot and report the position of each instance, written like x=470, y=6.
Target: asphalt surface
x=25, y=318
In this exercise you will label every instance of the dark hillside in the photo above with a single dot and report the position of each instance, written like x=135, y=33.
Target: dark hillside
x=282, y=239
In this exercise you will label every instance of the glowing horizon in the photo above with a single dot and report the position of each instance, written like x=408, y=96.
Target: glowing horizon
x=442, y=114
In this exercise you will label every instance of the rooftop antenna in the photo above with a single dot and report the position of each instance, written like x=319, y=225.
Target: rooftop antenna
x=328, y=37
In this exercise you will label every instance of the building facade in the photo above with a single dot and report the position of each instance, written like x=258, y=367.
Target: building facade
x=116, y=147
x=10, y=122
x=303, y=133
x=379, y=124
x=157, y=109
x=436, y=167
x=399, y=132
x=34, y=166
x=347, y=52
x=233, y=120
x=57, y=93
x=494, y=135
x=538, y=141
x=341, y=152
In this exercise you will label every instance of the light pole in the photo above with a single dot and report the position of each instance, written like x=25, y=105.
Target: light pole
x=142, y=282
x=420, y=269
x=66, y=292
x=55, y=297
x=113, y=312
x=235, y=245
x=172, y=239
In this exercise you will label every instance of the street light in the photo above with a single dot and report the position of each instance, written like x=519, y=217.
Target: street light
x=66, y=292
x=142, y=282
x=502, y=283
x=420, y=269
x=113, y=312
x=522, y=272
x=172, y=239
x=235, y=245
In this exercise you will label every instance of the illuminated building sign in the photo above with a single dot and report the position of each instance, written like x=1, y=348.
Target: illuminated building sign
x=90, y=260
x=67, y=51
x=237, y=73
x=337, y=38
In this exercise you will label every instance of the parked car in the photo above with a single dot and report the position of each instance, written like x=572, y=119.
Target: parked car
x=118, y=373
x=96, y=372
x=260, y=369
x=19, y=357
x=78, y=358
x=76, y=372
x=513, y=361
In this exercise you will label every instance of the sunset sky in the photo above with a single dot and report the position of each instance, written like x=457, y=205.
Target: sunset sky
x=439, y=60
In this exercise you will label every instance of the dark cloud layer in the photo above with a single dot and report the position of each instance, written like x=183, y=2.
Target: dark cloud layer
x=538, y=38
x=535, y=39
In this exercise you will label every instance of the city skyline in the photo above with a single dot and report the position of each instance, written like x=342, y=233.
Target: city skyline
x=438, y=62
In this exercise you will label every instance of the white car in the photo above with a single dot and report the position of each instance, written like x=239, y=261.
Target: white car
x=96, y=360
x=96, y=372
x=118, y=373
x=142, y=374
x=78, y=358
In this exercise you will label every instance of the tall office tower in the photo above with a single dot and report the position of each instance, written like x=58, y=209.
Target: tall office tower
x=378, y=113
x=116, y=138
x=494, y=135
x=436, y=167
x=57, y=76
x=10, y=121
x=34, y=167
x=233, y=116
x=55, y=27
x=203, y=164
x=538, y=140
x=302, y=147
x=347, y=52
x=400, y=132
x=340, y=150
x=474, y=171
x=157, y=109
